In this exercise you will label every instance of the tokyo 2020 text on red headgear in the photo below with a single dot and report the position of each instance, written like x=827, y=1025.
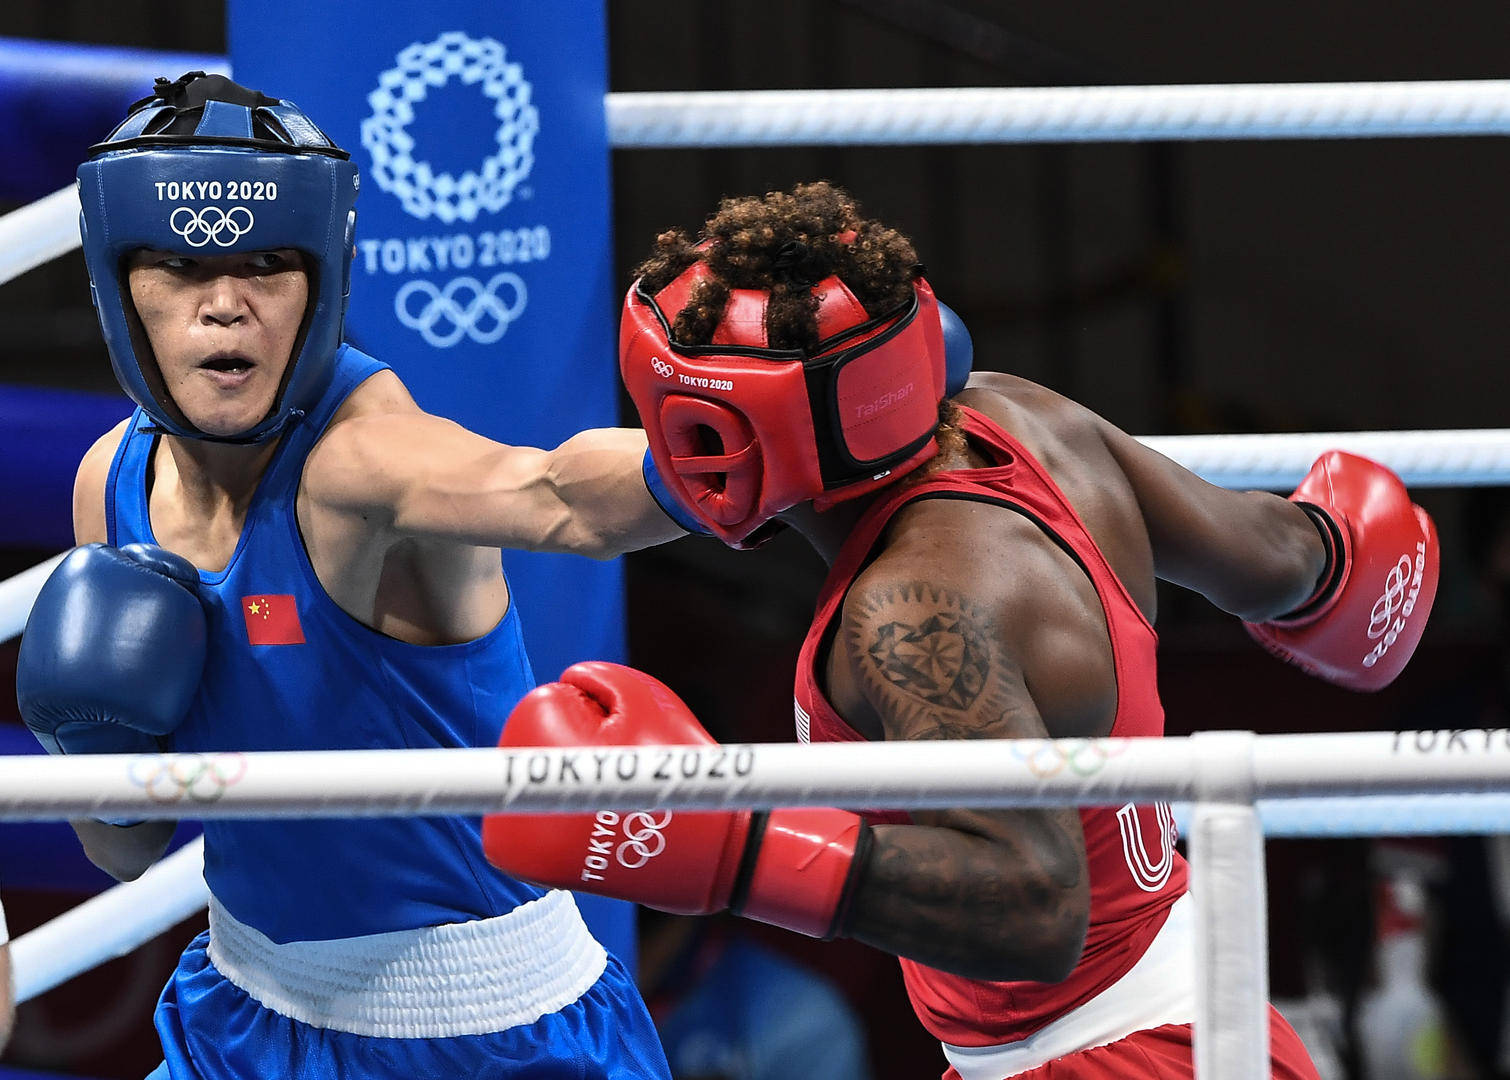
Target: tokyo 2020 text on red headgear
x=741, y=431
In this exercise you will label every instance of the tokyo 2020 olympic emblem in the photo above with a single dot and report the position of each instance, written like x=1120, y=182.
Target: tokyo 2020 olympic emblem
x=423, y=191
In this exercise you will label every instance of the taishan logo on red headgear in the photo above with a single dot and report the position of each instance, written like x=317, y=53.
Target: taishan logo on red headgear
x=272, y=620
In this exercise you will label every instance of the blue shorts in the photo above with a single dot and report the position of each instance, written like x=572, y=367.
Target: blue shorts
x=212, y=1029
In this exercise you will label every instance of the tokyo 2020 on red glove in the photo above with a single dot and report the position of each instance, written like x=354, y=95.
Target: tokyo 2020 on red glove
x=792, y=867
x=1368, y=612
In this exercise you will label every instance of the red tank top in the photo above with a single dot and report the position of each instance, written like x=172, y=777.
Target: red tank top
x=1135, y=873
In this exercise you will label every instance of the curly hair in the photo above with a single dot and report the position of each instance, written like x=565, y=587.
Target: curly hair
x=784, y=242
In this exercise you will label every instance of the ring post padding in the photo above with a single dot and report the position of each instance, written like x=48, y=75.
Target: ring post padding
x=1227, y=882
x=1232, y=948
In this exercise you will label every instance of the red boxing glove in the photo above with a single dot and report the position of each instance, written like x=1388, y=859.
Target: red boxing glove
x=1366, y=618
x=792, y=868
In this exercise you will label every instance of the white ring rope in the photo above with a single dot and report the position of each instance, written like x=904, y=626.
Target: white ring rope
x=1273, y=462
x=1212, y=766
x=111, y=924
x=128, y=915
x=17, y=594
x=49, y=228
x=1452, y=458
x=1057, y=114
x=39, y=232
x=1376, y=815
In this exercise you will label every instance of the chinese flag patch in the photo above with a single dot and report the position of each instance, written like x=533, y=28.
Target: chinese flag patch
x=272, y=620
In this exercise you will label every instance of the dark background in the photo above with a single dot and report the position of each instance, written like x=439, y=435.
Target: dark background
x=1175, y=288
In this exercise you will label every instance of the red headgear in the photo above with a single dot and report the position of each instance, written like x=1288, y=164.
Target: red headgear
x=741, y=431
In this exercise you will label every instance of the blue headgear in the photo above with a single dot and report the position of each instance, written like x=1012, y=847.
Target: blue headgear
x=207, y=167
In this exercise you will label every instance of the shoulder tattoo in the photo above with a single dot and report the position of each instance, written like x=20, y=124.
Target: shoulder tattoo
x=929, y=660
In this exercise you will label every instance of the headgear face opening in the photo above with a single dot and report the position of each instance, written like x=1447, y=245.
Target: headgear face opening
x=741, y=431
x=207, y=167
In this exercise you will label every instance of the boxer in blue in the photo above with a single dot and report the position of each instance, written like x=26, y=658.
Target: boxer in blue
x=281, y=551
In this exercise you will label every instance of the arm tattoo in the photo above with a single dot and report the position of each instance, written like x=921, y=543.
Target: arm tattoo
x=943, y=659
x=980, y=893
x=930, y=666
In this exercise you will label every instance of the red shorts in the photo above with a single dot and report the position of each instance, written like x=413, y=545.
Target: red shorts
x=1164, y=1053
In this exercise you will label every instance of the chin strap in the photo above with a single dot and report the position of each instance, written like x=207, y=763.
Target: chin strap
x=148, y=426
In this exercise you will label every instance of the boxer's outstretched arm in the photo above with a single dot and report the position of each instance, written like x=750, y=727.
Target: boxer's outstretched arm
x=427, y=477
x=1250, y=553
x=1338, y=579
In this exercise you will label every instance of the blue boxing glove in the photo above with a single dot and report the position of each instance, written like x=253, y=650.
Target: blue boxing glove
x=959, y=350
x=113, y=651
x=670, y=505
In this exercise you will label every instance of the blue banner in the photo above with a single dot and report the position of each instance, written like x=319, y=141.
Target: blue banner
x=483, y=271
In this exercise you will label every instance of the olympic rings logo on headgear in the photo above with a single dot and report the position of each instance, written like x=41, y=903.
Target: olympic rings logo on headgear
x=1083, y=757
x=661, y=368
x=643, y=839
x=194, y=778
x=443, y=319
x=212, y=224
x=1389, y=602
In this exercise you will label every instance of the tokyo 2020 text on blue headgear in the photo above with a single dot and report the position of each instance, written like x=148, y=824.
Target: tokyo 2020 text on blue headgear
x=207, y=167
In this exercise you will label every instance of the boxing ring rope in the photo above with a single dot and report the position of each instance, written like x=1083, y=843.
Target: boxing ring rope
x=115, y=922
x=1223, y=773
x=39, y=232
x=1057, y=114
x=733, y=119
x=1423, y=458
x=1274, y=462
x=17, y=594
x=914, y=775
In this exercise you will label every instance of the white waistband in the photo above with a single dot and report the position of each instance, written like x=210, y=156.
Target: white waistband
x=1159, y=990
x=465, y=978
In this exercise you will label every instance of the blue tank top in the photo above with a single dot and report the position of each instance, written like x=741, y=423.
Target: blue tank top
x=323, y=681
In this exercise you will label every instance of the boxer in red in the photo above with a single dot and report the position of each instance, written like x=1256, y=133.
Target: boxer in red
x=993, y=551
